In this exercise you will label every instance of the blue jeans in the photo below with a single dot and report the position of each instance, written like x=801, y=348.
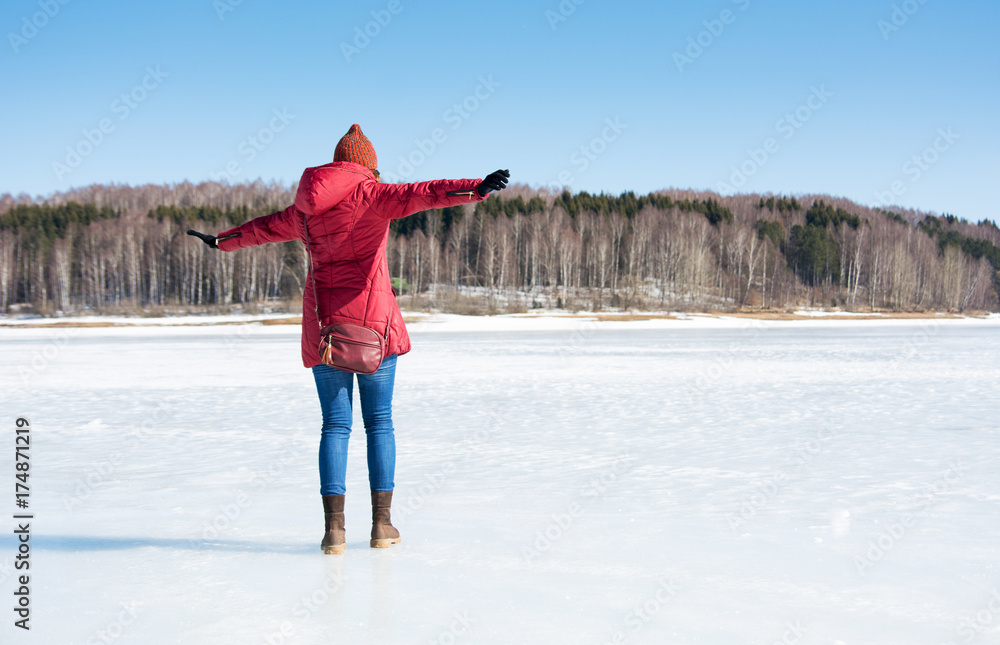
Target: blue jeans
x=336, y=396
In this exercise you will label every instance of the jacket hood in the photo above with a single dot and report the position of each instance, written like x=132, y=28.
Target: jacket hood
x=322, y=187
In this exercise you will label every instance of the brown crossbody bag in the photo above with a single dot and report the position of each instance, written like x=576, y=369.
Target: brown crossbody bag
x=346, y=346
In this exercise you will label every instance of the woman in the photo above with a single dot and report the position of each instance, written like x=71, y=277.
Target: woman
x=344, y=213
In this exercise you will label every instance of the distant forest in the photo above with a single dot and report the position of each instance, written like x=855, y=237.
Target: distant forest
x=121, y=249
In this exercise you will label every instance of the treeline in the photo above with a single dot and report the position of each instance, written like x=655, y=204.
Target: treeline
x=121, y=249
x=680, y=249
x=63, y=256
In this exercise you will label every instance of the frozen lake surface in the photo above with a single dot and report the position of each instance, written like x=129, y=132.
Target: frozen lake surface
x=823, y=482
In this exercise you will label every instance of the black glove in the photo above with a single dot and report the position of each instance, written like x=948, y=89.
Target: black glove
x=494, y=181
x=211, y=240
x=207, y=239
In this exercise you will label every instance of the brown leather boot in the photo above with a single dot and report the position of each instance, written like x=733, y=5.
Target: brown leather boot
x=383, y=532
x=333, y=510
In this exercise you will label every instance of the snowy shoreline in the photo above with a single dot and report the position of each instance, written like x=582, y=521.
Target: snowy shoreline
x=418, y=322
x=415, y=316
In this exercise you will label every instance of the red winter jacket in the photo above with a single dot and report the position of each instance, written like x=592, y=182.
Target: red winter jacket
x=348, y=214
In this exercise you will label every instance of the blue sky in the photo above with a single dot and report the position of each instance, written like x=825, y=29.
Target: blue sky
x=880, y=102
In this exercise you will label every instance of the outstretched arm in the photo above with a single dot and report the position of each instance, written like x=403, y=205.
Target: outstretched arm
x=393, y=201
x=277, y=227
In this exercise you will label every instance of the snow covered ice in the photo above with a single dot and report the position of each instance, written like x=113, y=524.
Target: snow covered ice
x=558, y=481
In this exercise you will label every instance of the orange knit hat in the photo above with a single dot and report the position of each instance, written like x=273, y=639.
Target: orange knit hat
x=355, y=147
